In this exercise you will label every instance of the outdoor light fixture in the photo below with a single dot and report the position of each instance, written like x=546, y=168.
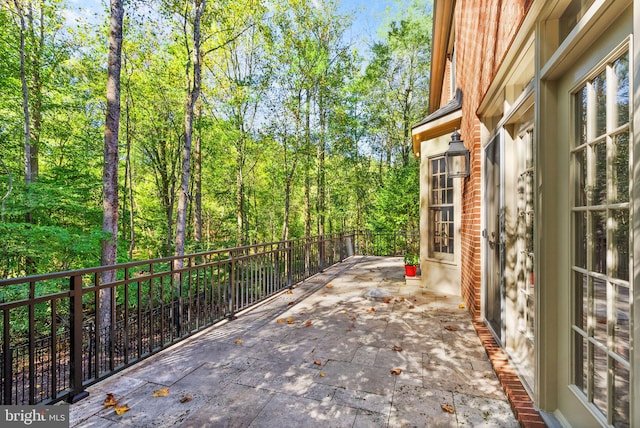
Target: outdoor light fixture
x=457, y=157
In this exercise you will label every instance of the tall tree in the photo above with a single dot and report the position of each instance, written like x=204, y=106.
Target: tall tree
x=193, y=75
x=110, y=171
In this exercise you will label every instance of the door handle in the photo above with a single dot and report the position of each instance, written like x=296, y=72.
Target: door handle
x=492, y=240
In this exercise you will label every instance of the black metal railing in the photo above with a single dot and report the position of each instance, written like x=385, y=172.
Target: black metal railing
x=55, y=341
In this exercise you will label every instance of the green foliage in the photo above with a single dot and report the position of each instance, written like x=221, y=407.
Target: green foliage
x=411, y=259
x=296, y=128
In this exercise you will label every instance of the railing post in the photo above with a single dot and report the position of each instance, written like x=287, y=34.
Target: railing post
x=289, y=246
x=75, y=312
x=7, y=356
x=232, y=285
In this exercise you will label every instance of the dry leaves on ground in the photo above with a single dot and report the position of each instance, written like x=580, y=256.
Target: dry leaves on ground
x=290, y=320
x=110, y=401
x=239, y=341
x=451, y=328
x=447, y=408
x=162, y=392
x=280, y=321
x=186, y=398
x=371, y=310
x=396, y=371
x=308, y=324
x=317, y=362
x=329, y=285
x=397, y=348
x=461, y=306
x=322, y=374
x=121, y=409
x=289, y=292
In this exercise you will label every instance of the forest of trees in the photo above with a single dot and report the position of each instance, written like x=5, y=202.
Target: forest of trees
x=240, y=121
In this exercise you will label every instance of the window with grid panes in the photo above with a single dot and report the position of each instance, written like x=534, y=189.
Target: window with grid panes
x=601, y=259
x=441, y=216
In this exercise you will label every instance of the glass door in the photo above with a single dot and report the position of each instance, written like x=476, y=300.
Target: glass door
x=493, y=235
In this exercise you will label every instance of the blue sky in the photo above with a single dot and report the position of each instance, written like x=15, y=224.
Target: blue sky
x=369, y=14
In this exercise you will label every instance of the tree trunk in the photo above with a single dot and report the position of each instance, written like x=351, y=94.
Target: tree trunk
x=321, y=158
x=307, y=168
x=25, y=97
x=197, y=215
x=193, y=92
x=240, y=197
x=110, y=171
x=128, y=177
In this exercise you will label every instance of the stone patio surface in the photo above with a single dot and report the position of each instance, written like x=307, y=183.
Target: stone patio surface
x=322, y=355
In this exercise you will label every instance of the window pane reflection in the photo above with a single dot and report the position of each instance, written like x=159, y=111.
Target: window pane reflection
x=581, y=115
x=619, y=259
x=600, y=188
x=623, y=312
x=621, y=167
x=621, y=70
x=580, y=239
x=600, y=90
x=580, y=158
x=581, y=366
x=599, y=241
x=600, y=310
x=600, y=379
x=622, y=396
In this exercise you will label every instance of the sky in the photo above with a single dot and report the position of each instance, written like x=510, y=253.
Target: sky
x=369, y=14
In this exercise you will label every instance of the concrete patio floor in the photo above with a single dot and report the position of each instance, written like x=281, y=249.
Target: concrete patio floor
x=320, y=356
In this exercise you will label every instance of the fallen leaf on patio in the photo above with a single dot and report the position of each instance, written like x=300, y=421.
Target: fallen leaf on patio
x=345, y=310
x=461, y=305
x=329, y=285
x=411, y=306
x=239, y=341
x=307, y=324
x=371, y=310
x=317, y=362
x=397, y=348
x=289, y=292
x=121, y=409
x=388, y=300
x=291, y=303
x=186, y=398
x=322, y=374
x=280, y=320
x=447, y=408
x=290, y=320
x=451, y=327
x=396, y=371
x=110, y=401
x=162, y=392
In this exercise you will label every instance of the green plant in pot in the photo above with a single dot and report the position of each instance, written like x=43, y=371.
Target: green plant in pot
x=411, y=262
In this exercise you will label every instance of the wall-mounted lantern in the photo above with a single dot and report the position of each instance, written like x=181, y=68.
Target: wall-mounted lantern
x=457, y=157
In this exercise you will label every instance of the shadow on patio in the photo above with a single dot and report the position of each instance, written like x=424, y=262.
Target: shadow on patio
x=321, y=355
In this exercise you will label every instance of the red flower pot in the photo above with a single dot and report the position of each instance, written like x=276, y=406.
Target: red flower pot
x=410, y=270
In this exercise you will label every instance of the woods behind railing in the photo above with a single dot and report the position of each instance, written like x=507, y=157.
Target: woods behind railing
x=53, y=345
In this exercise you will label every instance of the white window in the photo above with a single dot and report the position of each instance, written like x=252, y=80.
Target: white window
x=441, y=211
x=601, y=259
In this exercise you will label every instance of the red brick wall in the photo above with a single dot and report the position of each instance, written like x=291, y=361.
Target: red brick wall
x=484, y=30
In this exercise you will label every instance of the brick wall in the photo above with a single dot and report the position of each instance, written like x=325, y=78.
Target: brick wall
x=484, y=30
